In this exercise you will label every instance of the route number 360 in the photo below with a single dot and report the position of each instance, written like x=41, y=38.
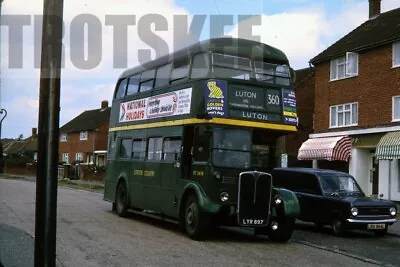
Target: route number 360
x=273, y=99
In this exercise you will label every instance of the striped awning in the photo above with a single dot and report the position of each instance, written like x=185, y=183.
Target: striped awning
x=388, y=147
x=327, y=148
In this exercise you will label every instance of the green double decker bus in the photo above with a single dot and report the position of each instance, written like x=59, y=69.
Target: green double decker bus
x=194, y=134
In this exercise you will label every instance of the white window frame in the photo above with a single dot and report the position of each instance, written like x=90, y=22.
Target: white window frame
x=393, y=106
x=343, y=111
x=65, y=158
x=83, y=135
x=396, y=51
x=63, y=137
x=79, y=156
x=349, y=69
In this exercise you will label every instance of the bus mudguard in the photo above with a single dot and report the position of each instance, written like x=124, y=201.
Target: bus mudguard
x=290, y=203
x=205, y=203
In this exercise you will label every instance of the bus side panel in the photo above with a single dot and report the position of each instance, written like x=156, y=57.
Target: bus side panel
x=135, y=178
x=110, y=182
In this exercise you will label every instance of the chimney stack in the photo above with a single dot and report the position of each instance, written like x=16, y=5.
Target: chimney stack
x=374, y=8
x=34, y=132
x=104, y=104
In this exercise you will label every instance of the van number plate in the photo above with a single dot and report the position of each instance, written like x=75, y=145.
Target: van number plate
x=376, y=226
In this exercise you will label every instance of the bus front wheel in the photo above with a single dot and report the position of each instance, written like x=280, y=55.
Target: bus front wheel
x=121, y=200
x=284, y=231
x=197, y=222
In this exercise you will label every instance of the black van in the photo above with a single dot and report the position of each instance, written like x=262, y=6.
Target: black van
x=329, y=197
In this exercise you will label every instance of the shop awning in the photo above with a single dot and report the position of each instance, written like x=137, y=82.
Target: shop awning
x=327, y=148
x=388, y=147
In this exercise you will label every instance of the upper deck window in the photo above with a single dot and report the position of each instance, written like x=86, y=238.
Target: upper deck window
x=227, y=66
x=147, y=80
x=162, y=76
x=180, y=70
x=133, y=85
x=121, y=89
x=272, y=73
x=200, y=66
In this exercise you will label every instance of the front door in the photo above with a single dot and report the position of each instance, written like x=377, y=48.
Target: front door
x=375, y=176
x=170, y=169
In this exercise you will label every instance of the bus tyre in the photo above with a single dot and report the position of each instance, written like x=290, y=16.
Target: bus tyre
x=196, y=222
x=121, y=200
x=284, y=231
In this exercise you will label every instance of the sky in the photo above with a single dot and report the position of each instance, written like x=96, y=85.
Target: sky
x=94, y=57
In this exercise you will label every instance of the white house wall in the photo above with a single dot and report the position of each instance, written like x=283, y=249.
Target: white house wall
x=389, y=181
x=360, y=166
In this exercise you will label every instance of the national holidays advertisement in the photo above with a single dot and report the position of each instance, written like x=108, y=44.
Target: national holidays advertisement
x=164, y=105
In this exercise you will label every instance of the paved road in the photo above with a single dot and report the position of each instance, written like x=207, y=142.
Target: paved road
x=89, y=234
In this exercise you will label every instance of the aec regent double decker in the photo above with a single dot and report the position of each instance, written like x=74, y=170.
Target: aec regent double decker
x=194, y=134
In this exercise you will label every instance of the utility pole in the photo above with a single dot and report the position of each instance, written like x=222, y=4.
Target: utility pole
x=48, y=132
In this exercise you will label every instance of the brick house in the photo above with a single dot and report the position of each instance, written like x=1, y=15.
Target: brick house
x=304, y=89
x=24, y=147
x=84, y=138
x=357, y=105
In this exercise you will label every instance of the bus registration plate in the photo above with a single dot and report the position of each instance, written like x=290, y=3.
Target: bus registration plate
x=253, y=222
x=376, y=226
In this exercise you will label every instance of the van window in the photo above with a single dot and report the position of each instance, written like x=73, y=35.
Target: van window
x=309, y=184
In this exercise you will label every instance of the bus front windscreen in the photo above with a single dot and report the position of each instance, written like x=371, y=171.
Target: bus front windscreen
x=232, y=148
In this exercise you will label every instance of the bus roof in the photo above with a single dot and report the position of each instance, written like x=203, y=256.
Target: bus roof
x=228, y=45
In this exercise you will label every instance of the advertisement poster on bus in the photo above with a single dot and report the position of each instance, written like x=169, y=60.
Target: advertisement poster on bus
x=289, y=106
x=164, y=105
x=215, y=96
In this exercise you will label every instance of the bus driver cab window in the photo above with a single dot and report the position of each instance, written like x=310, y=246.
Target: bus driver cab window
x=201, y=147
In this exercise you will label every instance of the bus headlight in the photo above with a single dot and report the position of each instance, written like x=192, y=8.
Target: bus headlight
x=354, y=211
x=217, y=175
x=278, y=200
x=393, y=211
x=224, y=196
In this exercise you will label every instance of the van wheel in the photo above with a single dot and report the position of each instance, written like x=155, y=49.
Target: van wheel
x=197, y=223
x=339, y=228
x=121, y=200
x=284, y=231
x=319, y=226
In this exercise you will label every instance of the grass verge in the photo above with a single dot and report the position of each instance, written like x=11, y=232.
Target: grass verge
x=11, y=177
x=83, y=186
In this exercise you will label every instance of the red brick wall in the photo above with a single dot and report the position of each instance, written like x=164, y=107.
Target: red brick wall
x=373, y=89
x=74, y=145
x=102, y=137
x=305, y=110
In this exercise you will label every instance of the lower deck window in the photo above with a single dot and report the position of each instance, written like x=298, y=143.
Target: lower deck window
x=154, y=151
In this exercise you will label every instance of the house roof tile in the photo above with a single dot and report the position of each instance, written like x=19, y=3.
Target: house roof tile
x=383, y=29
x=88, y=120
x=302, y=75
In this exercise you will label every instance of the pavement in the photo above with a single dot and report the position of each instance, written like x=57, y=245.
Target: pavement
x=17, y=246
